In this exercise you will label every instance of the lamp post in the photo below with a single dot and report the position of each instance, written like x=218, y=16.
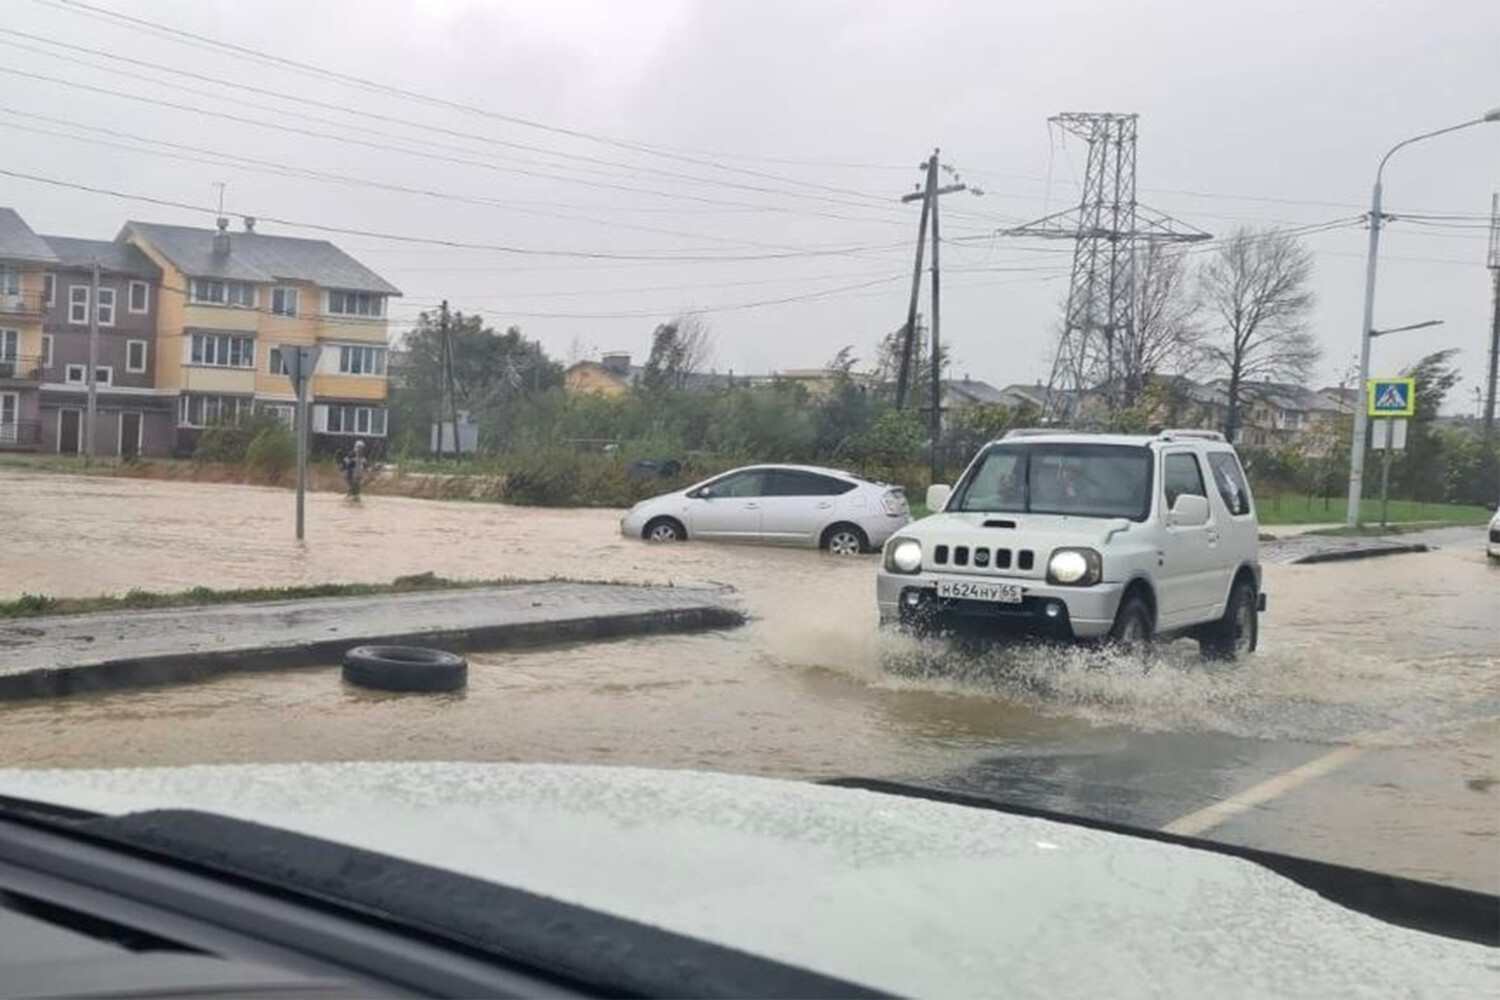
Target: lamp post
x=1361, y=422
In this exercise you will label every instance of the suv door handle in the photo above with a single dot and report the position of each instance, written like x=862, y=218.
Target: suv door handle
x=752, y=506
x=825, y=505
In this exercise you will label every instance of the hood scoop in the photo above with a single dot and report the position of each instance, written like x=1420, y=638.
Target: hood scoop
x=996, y=522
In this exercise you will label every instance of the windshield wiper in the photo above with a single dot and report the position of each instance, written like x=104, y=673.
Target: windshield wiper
x=570, y=948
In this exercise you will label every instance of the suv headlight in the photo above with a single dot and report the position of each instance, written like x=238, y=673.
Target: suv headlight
x=904, y=556
x=1075, y=567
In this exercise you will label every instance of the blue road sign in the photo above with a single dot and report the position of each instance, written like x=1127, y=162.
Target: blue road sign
x=1391, y=397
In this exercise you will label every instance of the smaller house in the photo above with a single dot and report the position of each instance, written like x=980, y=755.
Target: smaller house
x=613, y=375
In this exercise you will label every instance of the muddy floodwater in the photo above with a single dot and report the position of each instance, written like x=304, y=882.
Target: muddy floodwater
x=1399, y=657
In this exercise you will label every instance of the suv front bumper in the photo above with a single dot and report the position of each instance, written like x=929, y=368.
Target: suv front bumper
x=1046, y=610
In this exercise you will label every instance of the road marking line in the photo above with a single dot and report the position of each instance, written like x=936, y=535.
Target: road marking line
x=1211, y=816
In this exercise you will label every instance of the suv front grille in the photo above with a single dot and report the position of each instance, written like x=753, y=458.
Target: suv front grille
x=981, y=558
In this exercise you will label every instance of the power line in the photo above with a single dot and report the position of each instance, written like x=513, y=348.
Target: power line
x=405, y=122
x=458, y=244
x=76, y=6
x=287, y=170
x=462, y=161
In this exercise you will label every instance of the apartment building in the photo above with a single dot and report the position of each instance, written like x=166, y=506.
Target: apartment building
x=228, y=301
x=131, y=415
x=25, y=259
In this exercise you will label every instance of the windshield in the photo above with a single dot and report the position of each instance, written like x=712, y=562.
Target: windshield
x=601, y=359
x=1083, y=480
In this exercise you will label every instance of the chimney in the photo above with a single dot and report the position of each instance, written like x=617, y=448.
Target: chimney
x=249, y=223
x=221, y=238
x=617, y=362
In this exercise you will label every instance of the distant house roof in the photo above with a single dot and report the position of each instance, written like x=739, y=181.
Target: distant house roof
x=111, y=255
x=1293, y=398
x=18, y=242
x=968, y=390
x=259, y=257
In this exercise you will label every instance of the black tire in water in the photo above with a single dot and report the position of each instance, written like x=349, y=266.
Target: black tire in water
x=1237, y=633
x=405, y=668
x=1133, y=627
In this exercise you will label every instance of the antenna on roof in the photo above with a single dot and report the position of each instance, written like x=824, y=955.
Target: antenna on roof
x=222, y=222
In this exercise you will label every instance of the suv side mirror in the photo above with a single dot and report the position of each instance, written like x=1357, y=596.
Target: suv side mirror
x=1189, y=510
x=703, y=493
x=937, y=496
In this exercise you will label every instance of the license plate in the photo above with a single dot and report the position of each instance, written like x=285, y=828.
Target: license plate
x=1002, y=593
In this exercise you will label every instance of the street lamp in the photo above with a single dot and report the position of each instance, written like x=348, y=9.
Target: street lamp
x=1357, y=445
x=1410, y=326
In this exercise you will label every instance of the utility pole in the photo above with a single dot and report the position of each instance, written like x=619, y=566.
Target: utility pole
x=448, y=386
x=936, y=423
x=928, y=195
x=1494, y=265
x=89, y=434
x=903, y=376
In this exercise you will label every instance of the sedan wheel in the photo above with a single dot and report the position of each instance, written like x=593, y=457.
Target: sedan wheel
x=845, y=542
x=664, y=531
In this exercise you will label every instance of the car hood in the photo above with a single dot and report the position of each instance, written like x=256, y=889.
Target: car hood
x=969, y=526
x=905, y=895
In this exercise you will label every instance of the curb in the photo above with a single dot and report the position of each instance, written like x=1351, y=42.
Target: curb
x=1346, y=555
x=173, y=668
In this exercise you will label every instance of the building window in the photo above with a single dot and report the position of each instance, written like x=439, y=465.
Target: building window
x=361, y=360
x=276, y=366
x=207, y=411
x=49, y=289
x=10, y=345
x=285, y=412
x=284, y=301
x=210, y=292
x=135, y=356
x=78, y=304
x=106, y=307
x=223, y=350
x=140, y=296
x=46, y=350
x=78, y=375
x=347, y=418
x=356, y=304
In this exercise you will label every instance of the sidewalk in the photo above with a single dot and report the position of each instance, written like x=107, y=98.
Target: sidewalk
x=43, y=657
x=1305, y=548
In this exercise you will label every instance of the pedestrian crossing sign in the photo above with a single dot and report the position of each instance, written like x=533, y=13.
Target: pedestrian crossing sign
x=1391, y=397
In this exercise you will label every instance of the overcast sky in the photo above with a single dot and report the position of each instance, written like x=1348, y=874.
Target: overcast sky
x=780, y=131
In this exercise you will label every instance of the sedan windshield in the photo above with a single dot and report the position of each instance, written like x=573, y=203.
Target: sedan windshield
x=1085, y=480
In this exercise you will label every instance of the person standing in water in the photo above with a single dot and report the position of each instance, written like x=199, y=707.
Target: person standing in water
x=353, y=465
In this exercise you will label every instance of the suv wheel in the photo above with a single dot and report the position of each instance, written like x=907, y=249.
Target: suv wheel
x=1132, y=628
x=1238, y=632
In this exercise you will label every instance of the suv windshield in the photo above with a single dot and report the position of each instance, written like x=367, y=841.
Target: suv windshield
x=1085, y=480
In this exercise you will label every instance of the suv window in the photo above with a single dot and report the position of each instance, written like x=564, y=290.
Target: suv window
x=1230, y=480
x=1074, y=479
x=1180, y=474
x=741, y=484
x=792, y=483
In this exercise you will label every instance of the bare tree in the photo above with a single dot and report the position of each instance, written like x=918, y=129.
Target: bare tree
x=1256, y=290
x=1166, y=339
x=695, y=343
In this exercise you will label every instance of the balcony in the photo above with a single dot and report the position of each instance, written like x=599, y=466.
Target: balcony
x=20, y=369
x=30, y=304
x=21, y=435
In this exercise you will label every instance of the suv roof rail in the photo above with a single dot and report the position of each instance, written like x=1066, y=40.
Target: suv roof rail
x=1021, y=432
x=1191, y=432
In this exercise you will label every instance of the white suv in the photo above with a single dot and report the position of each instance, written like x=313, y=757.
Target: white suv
x=1071, y=535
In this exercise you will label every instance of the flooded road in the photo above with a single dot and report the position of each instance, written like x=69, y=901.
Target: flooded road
x=1390, y=665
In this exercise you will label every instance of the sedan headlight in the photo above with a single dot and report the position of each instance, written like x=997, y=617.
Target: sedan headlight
x=1075, y=567
x=904, y=556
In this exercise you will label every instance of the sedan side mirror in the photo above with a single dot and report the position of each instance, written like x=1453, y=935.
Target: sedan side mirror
x=937, y=496
x=1189, y=510
x=703, y=493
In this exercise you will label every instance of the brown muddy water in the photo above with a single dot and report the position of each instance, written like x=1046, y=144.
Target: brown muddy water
x=1391, y=653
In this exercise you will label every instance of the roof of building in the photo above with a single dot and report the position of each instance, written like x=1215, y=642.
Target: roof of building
x=18, y=242
x=260, y=257
x=1286, y=396
x=975, y=391
x=111, y=255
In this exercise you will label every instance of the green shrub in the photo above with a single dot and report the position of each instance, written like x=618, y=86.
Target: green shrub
x=220, y=443
x=272, y=453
